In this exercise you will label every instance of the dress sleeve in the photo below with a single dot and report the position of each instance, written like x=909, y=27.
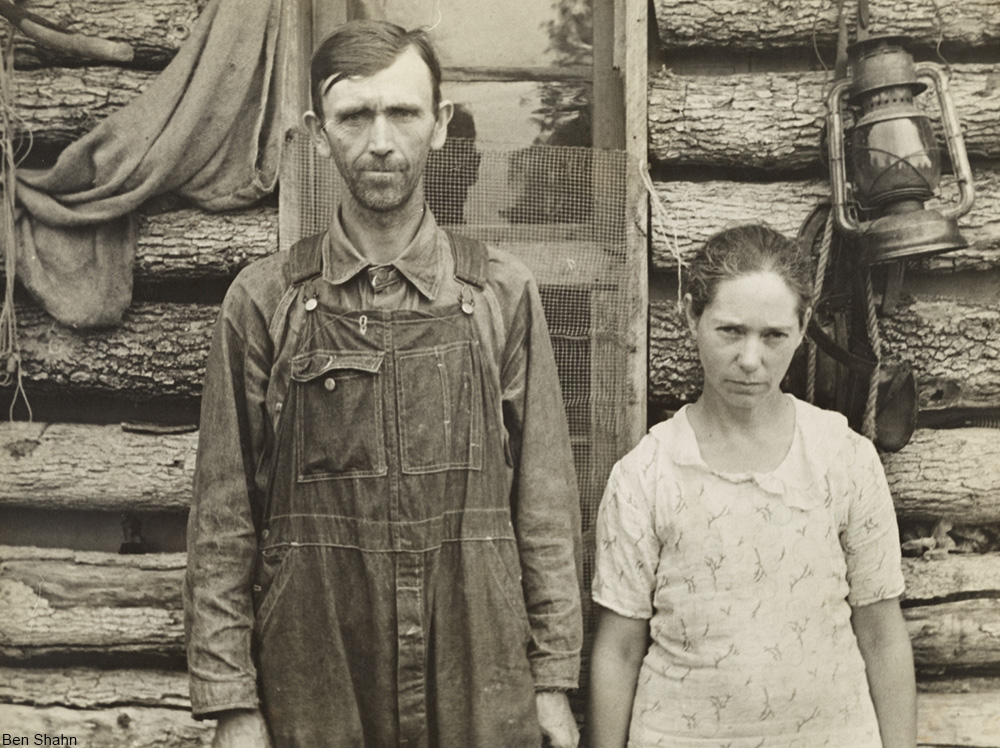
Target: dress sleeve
x=628, y=548
x=871, y=537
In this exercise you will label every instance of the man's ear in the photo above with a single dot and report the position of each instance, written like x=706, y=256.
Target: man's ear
x=315, y=127
x=687, y=304
x=444, y=114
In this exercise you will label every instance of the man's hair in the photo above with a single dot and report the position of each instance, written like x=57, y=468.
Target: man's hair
x=746, y=250
x=363, y=48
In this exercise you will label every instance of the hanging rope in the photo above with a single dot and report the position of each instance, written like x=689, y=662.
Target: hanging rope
x=10, y=349
x=661, y=216
x=868, y=427
x=821, y=264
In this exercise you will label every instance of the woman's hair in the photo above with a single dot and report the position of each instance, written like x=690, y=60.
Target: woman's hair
x=363, y=48
x=745, y=250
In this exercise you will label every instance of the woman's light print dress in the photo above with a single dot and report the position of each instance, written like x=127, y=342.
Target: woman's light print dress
x=748, y=581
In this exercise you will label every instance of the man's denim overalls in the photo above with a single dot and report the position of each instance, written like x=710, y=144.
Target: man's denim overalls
x=389, y=608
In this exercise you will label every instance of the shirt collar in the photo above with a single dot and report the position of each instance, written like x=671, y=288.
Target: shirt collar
x=423, y=262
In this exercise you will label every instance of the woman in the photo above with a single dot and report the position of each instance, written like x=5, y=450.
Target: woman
x=748, y=564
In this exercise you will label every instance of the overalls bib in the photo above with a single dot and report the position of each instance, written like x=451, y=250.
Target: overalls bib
x=389, y=608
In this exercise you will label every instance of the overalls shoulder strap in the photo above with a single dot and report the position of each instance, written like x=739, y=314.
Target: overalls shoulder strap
x=305, y=258
x=471, y=259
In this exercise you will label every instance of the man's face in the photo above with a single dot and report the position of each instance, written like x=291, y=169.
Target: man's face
x=379, y=130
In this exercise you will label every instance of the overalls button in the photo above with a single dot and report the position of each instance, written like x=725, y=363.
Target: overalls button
x=329, y=383
x=311, y=304
x=264, y=534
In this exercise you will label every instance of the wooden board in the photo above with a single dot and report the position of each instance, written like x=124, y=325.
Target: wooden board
x=964, y=634
x=930, y=580
x=92, y=688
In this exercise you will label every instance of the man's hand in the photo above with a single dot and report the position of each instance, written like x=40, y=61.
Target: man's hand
x=244, y=728
x=556, y=719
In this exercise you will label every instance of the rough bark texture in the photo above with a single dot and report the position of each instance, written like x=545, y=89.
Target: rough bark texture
x=134, y=727
x=189, y=244
x=952, y=346
x=69, y=466
x=946, y=473
x=772, y=121
x=56, y=601
x=90, y=688
x=950, y=474
x=59, y=105
x=963, y=634
x=780, y=23
x=957, y=575
x=158, y=351
x=696, y=210
x=154, y=28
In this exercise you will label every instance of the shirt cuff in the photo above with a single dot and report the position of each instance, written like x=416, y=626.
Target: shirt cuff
x=556, y=672
x=210, y=697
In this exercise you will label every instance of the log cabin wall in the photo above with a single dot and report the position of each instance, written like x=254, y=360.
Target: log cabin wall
x=735, y=109
x=91, y=639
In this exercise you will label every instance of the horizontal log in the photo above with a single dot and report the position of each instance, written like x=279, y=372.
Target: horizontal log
x=90, y=688
x=772, y=121
x=952, y=346
x=696, y=210
x=732, y=24
x=158, y=351
x=952, y=719
x=940, y=473
x=58, y=105
x=950, y=474
x=58, y=602
x=135, y=727
x=962, y=634
x=154, y=28
x=189, y=244
x=67, y=466
x=955, y=575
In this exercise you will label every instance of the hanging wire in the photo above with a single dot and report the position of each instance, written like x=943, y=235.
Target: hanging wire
x=10, y=349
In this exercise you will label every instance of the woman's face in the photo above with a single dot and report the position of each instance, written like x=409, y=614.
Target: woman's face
x=746, y=337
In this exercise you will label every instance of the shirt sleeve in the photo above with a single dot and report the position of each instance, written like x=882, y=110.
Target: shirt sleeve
x=545, y=502
x=871, y=537
x=221, y=535
x=628, y=550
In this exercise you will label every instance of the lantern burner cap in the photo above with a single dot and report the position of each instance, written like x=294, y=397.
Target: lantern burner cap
x=881, y=61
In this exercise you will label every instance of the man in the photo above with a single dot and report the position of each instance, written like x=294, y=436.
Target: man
x=383, y=542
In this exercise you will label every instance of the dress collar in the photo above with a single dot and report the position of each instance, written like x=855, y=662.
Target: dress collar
x=798, y=480
x=423, y=262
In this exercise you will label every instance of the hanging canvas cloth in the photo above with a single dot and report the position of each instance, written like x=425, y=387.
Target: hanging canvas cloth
x=203, y=129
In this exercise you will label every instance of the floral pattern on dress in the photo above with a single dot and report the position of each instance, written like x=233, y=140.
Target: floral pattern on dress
x=748, y=581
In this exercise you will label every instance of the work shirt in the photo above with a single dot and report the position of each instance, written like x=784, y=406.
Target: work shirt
x=384, y=537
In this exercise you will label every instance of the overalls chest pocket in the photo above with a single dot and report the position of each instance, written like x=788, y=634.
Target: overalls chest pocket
x=338, y=419
x=440, y=397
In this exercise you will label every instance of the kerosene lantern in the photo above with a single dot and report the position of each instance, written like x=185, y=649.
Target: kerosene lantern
x=893, y=162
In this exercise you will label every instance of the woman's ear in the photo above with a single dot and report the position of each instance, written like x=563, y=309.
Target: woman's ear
x=315, y=127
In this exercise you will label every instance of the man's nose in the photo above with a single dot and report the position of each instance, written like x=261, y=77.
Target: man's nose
x=380, y=136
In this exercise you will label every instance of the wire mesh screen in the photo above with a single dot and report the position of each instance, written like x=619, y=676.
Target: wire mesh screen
x=562, y=211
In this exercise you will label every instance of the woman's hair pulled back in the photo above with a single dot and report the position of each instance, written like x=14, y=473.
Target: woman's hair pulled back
x=746, y=250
